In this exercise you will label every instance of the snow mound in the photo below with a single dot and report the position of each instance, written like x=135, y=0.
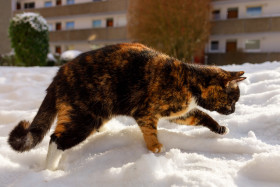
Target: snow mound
x=70, y=55
x=264, y=166
x=51, y=57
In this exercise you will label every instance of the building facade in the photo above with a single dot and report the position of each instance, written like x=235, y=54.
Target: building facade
x=244, y=31
x=6, y=13
x=80, y=24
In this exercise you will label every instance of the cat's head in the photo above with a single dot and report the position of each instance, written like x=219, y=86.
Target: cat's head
x=219, y=91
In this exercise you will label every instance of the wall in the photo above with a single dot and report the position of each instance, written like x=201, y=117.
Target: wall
x=240, y=58
x=82, y=13
x=85, y=22
x=269, y=42
x=5, y=14
x=269, y=7
x=41, y=3
x=81, y=9
x=264, y=27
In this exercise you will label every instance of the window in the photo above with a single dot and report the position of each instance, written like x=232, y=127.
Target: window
x=18, y=6
x=70, y=2
x=48, y=4
x=109, y=22
x=252, y=44
x=216, y=14
x=58, y=49
x=58, y=2
x=96, y=23
x=70, y=47
x=254, y=11
x=50, y=27
x=58, y=26
x=231, y=46
x=214, y=45
x=232, y=13
x=29, y=5
x=70, y=25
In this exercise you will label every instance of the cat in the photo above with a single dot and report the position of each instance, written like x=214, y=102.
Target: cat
x=126, y=79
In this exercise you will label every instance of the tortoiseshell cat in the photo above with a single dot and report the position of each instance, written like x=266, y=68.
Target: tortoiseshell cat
x=126, y=79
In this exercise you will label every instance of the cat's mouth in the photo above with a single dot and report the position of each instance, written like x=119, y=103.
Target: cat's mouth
x=227, y=110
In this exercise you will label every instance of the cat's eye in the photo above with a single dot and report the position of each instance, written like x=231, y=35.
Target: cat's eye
x=228, y=90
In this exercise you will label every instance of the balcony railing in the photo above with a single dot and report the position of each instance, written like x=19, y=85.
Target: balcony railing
x=90, y=35
x=252, y=25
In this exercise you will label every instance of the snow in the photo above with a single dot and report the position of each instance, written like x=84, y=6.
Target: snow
x=51, y=57
x=117, y=156
x=70, y=54
x=36, y=21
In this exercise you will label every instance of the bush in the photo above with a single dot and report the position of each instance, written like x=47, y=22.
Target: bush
x=29, y=39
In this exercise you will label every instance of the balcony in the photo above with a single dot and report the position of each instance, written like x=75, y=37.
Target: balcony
x=80, y=9
x=252, y=25
x=91, y=35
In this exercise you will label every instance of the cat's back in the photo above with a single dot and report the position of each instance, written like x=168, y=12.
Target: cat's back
x=125, y=61
x=118, y=54
x=117, y=64
x=112, y=58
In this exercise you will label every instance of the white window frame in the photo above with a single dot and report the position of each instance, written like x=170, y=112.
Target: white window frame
x=97, y=20
x=220, y=15
x=51, y=4
x=69, y=28
x=70, y=2
x=28, y=3
x=210, y=46
x=252, y=50
x=50, y=26
x=252, y=15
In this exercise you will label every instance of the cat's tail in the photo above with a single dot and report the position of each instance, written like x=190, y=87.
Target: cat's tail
x=25, y=136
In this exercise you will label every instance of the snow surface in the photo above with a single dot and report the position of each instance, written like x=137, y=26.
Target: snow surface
x=70, y=54
x=117, y=156
x=36, y=21
x=51, y=57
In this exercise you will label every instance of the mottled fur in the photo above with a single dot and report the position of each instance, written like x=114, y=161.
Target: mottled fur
x=131, y=80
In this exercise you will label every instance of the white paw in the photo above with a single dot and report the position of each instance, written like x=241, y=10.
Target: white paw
x=160, y=150
x=53, y=157
x=227, y=131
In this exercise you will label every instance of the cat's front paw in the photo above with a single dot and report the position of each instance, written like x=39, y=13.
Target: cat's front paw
x=156, y=148
x=222, y=130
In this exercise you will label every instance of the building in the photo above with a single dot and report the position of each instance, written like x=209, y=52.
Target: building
x=6, y=13
x=80, y=24
x=244, y=31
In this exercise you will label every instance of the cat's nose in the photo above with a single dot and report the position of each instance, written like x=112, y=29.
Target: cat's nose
x=229, y=107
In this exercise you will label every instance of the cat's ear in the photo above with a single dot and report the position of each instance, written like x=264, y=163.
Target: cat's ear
x=235, y=76
x=239, y=79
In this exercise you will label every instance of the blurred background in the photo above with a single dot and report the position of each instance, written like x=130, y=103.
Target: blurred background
x=204, y=31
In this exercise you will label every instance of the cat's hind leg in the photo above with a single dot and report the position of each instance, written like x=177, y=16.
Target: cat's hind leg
x=53, y=156
x=73, y=127
x=197, y=117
